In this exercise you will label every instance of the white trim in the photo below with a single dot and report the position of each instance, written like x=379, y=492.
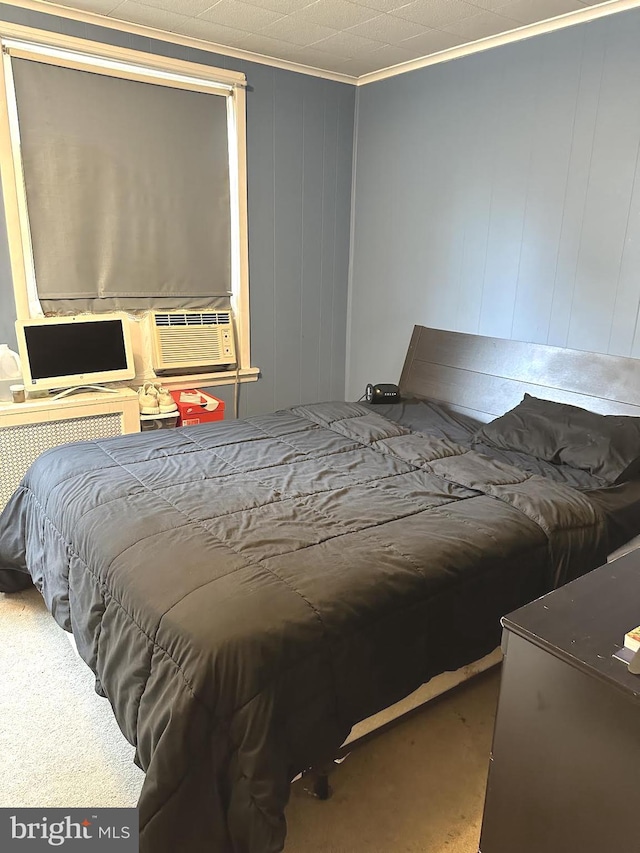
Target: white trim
x=590, y=13
x=109, y=67
x=175, y=38
x=29, y=39
x=236, y=107
x=207, y=380
x=11, y=199
x=28, y=303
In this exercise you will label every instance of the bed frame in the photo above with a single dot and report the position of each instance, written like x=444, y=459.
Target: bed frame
x=485, y=377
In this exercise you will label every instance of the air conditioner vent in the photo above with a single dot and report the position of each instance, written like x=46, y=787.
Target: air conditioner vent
x=174, y=318
x=191, y=340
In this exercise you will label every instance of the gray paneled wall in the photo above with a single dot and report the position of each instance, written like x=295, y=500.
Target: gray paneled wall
x=299, y=153
x=500, y=194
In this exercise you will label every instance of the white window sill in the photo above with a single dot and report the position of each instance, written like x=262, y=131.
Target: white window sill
x=208, y=380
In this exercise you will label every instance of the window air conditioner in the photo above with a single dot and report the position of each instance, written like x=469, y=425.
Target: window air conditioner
x=191, y=339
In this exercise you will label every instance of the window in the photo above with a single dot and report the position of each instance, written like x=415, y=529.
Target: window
x=124, y=180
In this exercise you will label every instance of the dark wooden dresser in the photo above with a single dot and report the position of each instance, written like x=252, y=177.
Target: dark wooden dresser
x=565, y=766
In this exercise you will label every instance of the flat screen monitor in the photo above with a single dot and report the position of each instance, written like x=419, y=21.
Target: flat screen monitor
x=67, y=352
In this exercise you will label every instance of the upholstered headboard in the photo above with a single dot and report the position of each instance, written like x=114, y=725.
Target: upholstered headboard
x=485, y=377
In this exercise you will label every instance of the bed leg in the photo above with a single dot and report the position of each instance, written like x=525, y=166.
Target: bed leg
x=321, y=788
x=318, y=782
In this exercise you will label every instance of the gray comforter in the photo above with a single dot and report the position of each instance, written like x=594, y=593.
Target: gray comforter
x=247, y=591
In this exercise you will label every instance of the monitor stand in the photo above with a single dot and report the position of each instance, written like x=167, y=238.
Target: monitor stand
x=79, y=388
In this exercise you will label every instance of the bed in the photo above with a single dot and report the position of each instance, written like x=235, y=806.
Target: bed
x=247, y=592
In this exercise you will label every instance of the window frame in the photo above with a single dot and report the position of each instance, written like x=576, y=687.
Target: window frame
x=80, y=54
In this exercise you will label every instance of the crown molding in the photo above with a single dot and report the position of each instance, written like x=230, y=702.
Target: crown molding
x=61, y=11
x=57, y=49
x=589, y=13
x=570, y=19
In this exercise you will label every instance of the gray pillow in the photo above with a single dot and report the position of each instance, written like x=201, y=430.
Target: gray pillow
x=607, y=446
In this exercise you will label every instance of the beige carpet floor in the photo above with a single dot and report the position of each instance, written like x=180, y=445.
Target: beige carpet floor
x=418, y=788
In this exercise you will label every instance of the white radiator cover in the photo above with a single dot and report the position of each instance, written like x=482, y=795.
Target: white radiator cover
x=21, y=445
x=28, y=429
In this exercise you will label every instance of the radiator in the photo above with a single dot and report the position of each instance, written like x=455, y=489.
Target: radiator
x=28, y=429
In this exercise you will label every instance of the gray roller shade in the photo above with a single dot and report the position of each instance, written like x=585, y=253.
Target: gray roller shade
x=127, y=187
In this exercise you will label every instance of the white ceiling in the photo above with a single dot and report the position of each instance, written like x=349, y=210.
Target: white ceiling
x=353, y=37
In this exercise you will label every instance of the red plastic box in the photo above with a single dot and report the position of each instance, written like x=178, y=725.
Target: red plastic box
x=202, y=410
